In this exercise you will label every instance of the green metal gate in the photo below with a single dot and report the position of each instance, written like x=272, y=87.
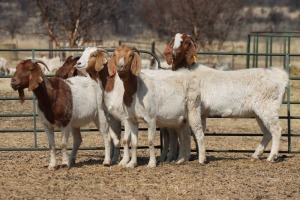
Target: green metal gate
x=249, y=56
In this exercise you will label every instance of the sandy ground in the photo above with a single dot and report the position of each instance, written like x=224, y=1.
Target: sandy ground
x=24, y=174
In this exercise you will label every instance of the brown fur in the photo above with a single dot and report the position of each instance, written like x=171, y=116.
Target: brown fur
x=185, y=54
x=68, y=69
x=98, y=70
x=129, y=72
x=54, y=94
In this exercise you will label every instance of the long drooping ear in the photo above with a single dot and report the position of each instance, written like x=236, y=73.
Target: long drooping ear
x=168, y=52
x=99, y=61
x=112, y=66
x=191, y=53
x=136, y=64
x=35, y=77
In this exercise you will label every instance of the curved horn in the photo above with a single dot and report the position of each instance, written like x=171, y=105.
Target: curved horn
x=135, y=49
x=103, y=50
x=39, y=61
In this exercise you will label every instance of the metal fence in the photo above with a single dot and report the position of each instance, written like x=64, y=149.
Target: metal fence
x=288, y=117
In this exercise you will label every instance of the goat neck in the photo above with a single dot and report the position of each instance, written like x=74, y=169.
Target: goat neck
x=108, y=81
x=130, y=86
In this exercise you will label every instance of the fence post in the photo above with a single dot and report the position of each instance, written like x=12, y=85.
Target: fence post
x=287, y=67
x=34, y=112
x=248, y=51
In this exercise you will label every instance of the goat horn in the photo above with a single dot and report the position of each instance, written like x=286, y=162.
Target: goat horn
x=39, y=61
x=135, y=49
x=102, y=50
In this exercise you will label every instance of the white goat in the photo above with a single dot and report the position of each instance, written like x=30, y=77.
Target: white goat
x=3, y=68
x=68, y=104
x=117, y=97
x=241, y=93
x=166, y=99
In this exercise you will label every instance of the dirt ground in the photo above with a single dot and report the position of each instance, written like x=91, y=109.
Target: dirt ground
x=24, y=174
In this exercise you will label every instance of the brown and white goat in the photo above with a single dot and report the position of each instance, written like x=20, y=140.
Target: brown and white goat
x=67, y=104
x=167, y=99
x=241, y=93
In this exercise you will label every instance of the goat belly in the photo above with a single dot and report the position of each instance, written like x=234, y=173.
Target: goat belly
x=87, y=96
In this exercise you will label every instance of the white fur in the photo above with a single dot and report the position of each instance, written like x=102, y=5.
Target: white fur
x=177, y=42
x=243, y=93
x=165, y=100
x=159, y=109
x=3, y=68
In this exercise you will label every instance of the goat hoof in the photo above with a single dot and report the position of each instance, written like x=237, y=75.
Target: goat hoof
x=202, y=161
x=254, y=159
x=52, y=167
x=131, y=165
x=273, y=158
x=151, y=165
x=181, y=161
x=106, y=164
x=123, y=162
x=65, y=165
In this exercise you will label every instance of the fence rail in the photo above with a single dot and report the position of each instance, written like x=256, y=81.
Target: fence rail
x=34, y=130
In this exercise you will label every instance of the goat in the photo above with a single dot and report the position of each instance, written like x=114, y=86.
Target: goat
x=160, y=99
x=91, y=61
x=68, y=104
x=241, y=93
x=114, y=96
x=112, y=87
x=67, y=70
x=3, y=68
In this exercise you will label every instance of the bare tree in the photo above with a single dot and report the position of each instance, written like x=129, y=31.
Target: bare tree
x=76, y=20
x=13, y=15
x=210, y=22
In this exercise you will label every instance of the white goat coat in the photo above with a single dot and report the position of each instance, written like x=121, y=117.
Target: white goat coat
x=169, y=99
x=240, y=93
x=161, y=96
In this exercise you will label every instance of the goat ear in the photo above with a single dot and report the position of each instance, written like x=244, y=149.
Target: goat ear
x=34, y=79
x=111, y=67
x=99, y=62
x=136, y=64
x=191, y=54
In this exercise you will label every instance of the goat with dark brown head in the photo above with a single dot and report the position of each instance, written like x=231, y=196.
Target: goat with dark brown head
x=66, y=104
x=181, y=51
x=254, y=93
x=68, y=69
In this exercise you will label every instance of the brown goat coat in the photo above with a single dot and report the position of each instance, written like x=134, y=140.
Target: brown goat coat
x=56, y=95
x=57, y=108
x=68, y=69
